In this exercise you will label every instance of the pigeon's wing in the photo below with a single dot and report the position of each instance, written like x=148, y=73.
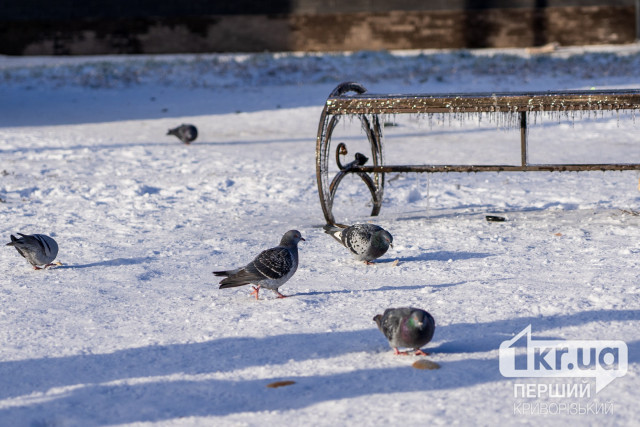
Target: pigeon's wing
x=358, y=237
x=390, y=324
x=271, y=264
x=34, y=242
x=48, y=245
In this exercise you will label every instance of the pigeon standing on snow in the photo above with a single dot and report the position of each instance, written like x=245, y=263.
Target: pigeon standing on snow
x=365, y=241
x=406, y=327
x=185, y=133
x=270, y=269
x=38, y=249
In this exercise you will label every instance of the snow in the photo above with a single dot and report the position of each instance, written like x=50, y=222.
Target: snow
x=133, y=329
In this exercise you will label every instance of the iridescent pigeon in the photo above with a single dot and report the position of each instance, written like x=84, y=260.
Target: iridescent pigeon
x=185, y=133
x=365, y=241
x=38, y=249
x=406, y=327
x=270, y=269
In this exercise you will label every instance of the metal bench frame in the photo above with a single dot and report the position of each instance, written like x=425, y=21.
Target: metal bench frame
x=351, y=99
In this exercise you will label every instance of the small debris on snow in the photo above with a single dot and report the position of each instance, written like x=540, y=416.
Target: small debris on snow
x=280, y=384
x=425, y=364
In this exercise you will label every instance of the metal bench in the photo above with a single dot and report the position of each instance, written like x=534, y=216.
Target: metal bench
x=352, y=99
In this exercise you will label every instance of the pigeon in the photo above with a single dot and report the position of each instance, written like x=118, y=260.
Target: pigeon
x=365, y=241
x=270, y=269
x=406, y=327
x=38, y=249
x=185, y=133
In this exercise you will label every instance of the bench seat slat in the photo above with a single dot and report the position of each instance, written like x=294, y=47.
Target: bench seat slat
x=478, y=102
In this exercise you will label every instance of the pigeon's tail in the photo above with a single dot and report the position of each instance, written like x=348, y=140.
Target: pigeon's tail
x=334, y=231
x=232, y=278
x=231, y=284
x=222, y=273
x=235, y=280
x=173, y=132
x=378, y=319
x=13, y=241
x=240, y=277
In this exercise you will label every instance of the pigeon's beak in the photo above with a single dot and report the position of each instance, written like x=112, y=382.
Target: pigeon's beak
x=303, y=239
x=391, y=244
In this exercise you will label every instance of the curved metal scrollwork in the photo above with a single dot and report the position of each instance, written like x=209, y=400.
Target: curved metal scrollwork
x=346, y=87
x=374, y=181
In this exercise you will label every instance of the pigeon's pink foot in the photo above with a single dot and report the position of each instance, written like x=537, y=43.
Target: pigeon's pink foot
x=49, y=265
x=280, y=295
x=35, y=267
x=369, y=263
x=419, y=352
x=255, y=291
x=400, y=353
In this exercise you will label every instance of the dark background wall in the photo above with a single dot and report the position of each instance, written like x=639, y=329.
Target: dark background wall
x=69, y=27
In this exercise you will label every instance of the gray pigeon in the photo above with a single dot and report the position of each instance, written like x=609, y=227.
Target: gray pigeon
x=270, y=269
x=185, y=133
x=406, y=327
x=365, y=241
x=38, y=249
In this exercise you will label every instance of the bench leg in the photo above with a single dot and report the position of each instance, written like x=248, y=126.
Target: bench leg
x=375, y=181
x=323, y=142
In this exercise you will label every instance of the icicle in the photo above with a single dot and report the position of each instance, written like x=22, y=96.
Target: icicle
x=428, y=185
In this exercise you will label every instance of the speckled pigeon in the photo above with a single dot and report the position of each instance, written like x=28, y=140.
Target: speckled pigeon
x=270, y=269
x=185, y=132
x=38, y=249
x=406, y=327
x=365, y=241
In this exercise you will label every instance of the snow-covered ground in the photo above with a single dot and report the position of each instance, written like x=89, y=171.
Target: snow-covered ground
x=133, y=329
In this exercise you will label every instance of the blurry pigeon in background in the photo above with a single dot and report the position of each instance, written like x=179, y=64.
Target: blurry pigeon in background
x=365, y=241
x=270, y=269
x=38, y=249
x=185, y=132
x=406, y=327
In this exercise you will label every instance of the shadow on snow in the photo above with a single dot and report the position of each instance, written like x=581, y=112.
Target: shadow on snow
x=103, y=398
